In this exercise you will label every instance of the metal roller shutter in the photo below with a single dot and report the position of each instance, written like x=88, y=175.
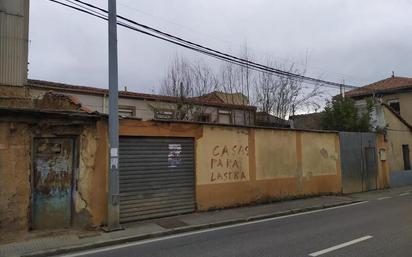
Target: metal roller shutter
x=157, y=177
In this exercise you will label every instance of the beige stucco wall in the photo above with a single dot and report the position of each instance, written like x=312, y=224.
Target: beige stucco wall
x=383, y=165
x=405, y=100
x=398, y=134
x=276, y=155
x=320, y=154
x=222, y=155
x=278, y=164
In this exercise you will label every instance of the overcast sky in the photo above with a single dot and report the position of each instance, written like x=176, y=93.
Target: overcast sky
x=360, y=41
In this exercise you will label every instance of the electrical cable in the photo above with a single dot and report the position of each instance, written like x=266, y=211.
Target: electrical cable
x=196, y=47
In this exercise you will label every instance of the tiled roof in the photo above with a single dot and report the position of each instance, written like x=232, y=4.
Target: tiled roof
x=307, y=121
x=384, y=86
x=228, y=98
x=61, y=87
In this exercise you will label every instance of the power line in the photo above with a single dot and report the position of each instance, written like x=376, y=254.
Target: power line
x=276, y=71
x=197, y=47
x=222, y=56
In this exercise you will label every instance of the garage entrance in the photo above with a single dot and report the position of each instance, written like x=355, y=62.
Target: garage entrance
x=157, y=177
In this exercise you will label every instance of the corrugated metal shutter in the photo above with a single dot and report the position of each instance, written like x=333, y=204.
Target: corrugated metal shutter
x=14, y=42
x=157, y=177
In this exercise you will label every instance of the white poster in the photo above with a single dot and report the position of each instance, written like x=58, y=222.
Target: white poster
x=174, y=157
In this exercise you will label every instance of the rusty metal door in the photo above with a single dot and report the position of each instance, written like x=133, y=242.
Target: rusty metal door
x=52, y=182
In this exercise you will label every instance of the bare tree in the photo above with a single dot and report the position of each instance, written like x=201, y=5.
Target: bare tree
x=237, y=79
x=247, y=75
x=280, y=96
x=188, y=80
x=283, y=96
x=179, y=79
x=203, y=77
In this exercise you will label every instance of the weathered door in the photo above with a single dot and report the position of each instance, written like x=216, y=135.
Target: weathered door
x=157, y=177
x=406, y=157
x=358, y=161
x=370, y=161
x=351, y=161
x=52, y=182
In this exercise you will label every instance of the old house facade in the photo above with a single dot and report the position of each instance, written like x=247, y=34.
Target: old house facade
x=151, y=106
x=392, y=114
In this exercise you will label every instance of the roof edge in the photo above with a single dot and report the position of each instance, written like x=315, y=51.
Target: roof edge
x=397, y=115
x=101, y=91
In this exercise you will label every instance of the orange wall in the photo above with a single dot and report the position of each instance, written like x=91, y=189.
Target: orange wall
x=383, y=164
x=238, y=165
x=279, y=164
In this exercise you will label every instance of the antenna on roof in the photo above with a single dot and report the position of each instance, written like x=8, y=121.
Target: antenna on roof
x=393, y=74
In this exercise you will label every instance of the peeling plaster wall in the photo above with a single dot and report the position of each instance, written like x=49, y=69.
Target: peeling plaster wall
x=15, y=176
x=89, y=196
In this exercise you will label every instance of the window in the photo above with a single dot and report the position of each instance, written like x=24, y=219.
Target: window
x=225, y=117
x=202, y=117
x=127, y=111
x=394, y=104
x=164, y=114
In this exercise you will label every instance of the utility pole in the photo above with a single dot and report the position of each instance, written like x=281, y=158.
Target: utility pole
x=113, y=194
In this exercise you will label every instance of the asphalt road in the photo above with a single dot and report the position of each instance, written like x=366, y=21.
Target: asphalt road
x=379, y=227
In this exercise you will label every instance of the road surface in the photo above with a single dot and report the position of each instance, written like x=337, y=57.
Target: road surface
x=376, y=228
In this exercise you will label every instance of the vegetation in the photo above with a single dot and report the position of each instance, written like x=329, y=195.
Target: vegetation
x=279, y=96
x=341, y=114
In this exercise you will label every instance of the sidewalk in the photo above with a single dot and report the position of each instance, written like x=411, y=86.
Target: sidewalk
x=60, y=242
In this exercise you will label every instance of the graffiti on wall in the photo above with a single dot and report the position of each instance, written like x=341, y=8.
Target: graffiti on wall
x=227, y=163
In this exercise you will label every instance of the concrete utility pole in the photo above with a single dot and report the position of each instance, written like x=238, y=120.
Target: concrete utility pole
x=113, y=196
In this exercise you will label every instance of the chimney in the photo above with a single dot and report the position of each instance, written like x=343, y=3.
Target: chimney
x=14, y=39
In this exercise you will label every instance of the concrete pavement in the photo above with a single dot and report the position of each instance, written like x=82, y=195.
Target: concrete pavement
x=378, y=227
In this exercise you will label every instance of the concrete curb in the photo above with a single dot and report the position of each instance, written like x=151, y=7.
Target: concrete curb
x=129, y=239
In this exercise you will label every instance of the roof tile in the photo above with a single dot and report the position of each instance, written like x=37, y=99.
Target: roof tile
x=386, y=85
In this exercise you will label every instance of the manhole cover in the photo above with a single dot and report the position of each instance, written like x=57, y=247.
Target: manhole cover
x=171, y=223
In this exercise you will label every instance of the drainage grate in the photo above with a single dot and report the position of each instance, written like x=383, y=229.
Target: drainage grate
x=171, y=223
